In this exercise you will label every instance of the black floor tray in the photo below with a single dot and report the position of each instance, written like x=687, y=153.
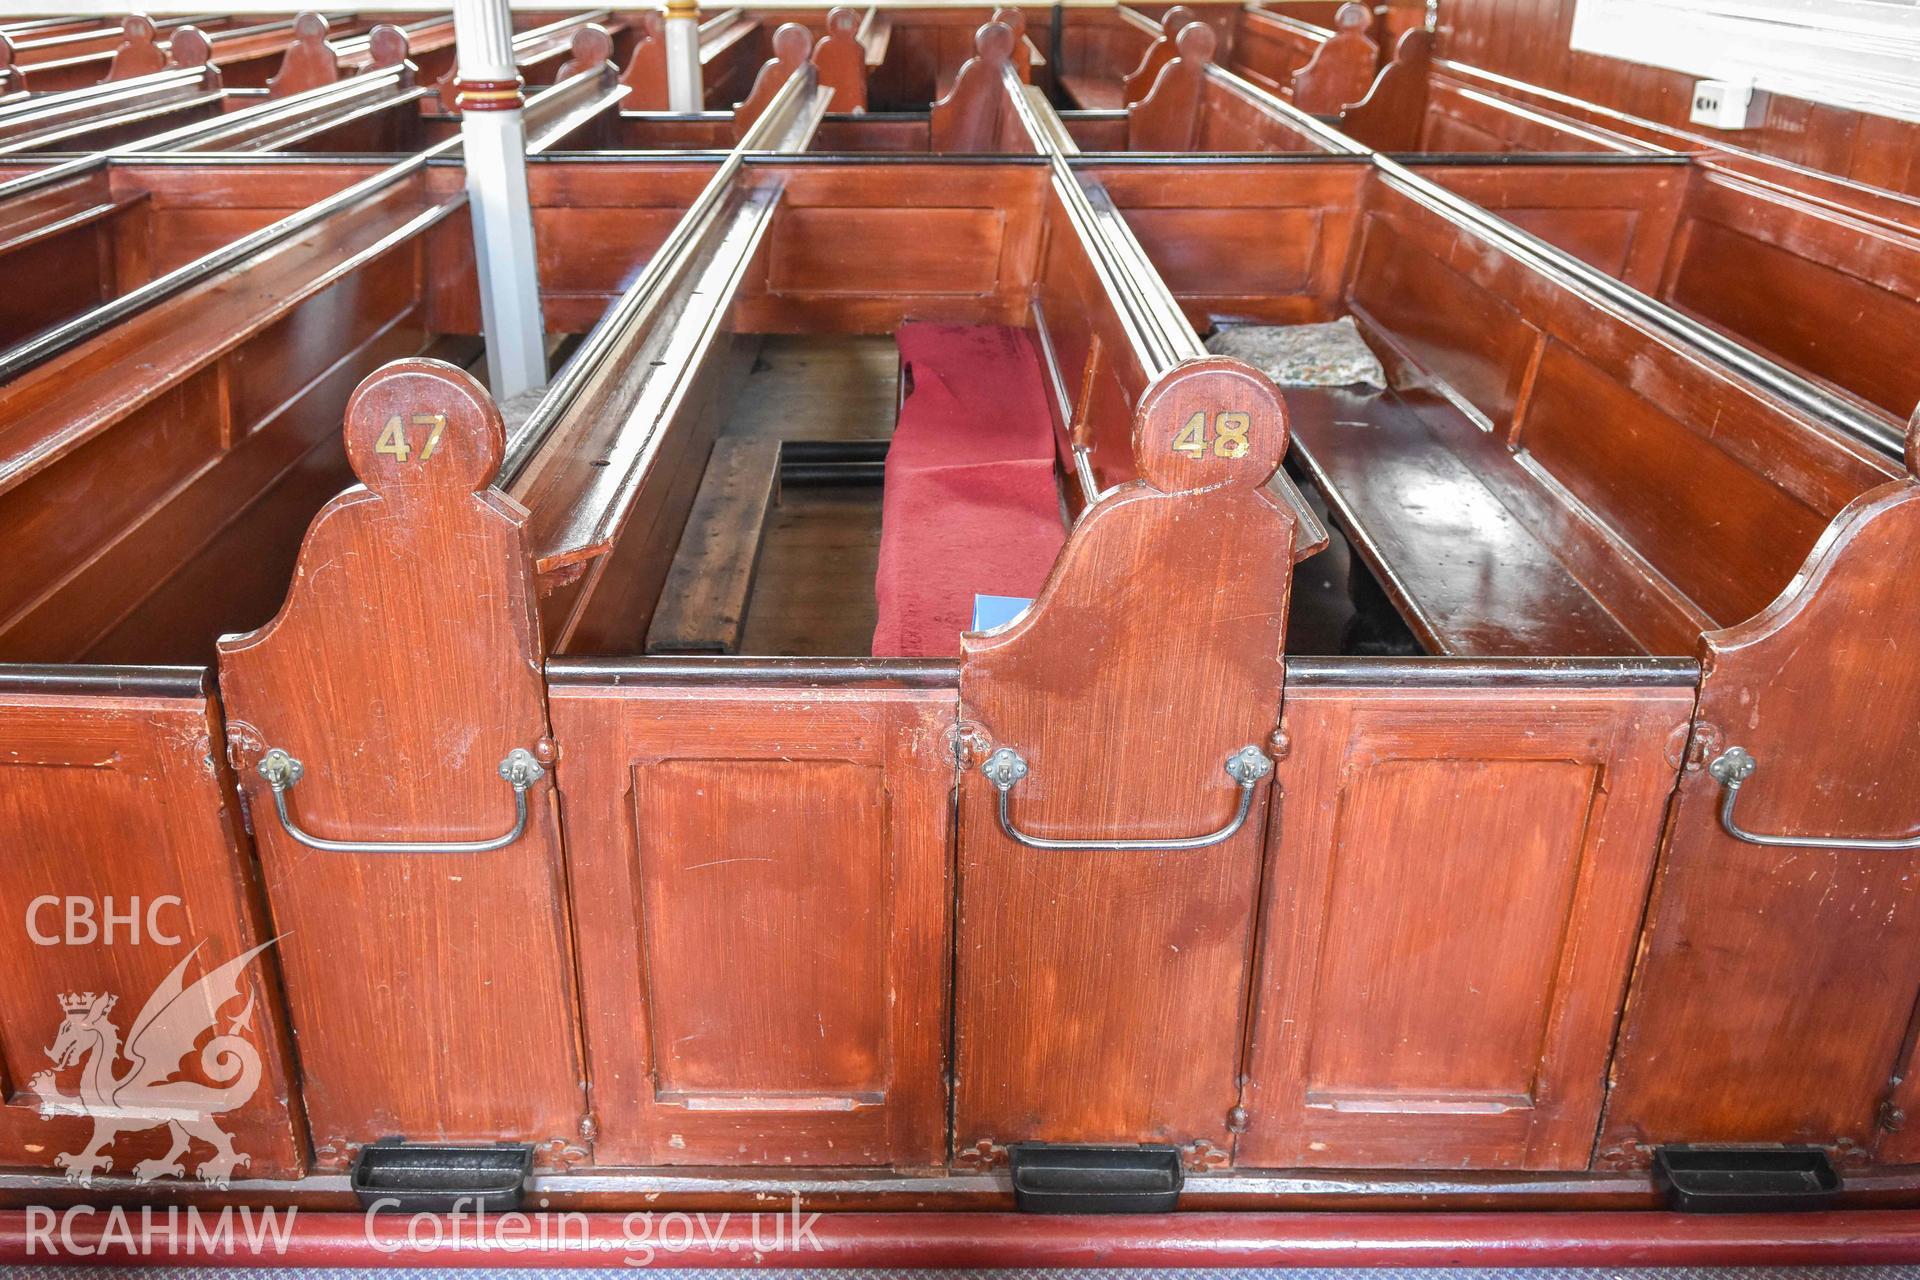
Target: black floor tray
x=1050, y=1178
x=1701, y=1179
x=409, y=1177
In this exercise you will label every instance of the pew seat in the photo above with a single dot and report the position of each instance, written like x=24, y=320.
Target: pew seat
x=1411, y=481
x=970, y=505
x=1095, y=93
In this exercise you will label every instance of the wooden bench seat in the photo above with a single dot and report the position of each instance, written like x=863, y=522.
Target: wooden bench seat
x=1094, y=93
x=970, y=507
x=1409, y=487
x=704, y=606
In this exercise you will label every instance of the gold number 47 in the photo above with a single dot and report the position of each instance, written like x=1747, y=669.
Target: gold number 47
x=1227, y=440
x=393, y=439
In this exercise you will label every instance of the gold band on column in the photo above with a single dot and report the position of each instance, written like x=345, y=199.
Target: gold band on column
x=489, y=95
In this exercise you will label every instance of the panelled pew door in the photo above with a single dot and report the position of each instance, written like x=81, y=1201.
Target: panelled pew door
x=125, y=878
x=1454, y=890
x=760, y=878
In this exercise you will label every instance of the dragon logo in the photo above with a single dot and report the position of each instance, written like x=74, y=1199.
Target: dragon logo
x=146, y=1095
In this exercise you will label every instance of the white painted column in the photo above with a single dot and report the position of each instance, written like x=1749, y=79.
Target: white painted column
x=685, y=92
x=494, y=138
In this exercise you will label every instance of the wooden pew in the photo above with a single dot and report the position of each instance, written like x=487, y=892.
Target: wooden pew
x=732, y=46
x=75, y=60
x=1780, y=272
x=200, y=319
x=542, y=53
x=1421, y=860
x=98, y=117
x=375, y=111
x=582, y=461
x=1318, y=71
x=639, y=395
x=314, y=59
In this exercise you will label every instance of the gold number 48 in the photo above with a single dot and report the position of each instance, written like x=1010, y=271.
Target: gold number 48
x=393, y=439
x=1228, y=438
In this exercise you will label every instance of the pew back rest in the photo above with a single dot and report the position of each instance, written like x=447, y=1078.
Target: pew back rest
x=1710, y=491
x=1460, y=117
x=1835, y=295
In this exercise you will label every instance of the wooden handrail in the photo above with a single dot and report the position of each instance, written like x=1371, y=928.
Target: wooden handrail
x=1157, y=330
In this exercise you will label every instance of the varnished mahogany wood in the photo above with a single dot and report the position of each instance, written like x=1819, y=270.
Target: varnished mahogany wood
x=1139, y=82
x=792, y=44
x=762, y=888
x=1780, y=271
x=309, y=61
x=1168, y=117
x=1319, y=71
x=1504, y=839
x=841, y=57
x=975, y=115
x=1390, y=115
x=1750, y=975
x=1339, y=69
x=412, y=619
x=1045, y=1048
x=118, y=788
x=233, y=400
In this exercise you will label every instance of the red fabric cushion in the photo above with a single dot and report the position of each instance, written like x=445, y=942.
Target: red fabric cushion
x=970, y=506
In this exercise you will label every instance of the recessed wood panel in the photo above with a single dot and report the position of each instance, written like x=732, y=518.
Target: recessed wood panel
x=910, y=251
x=736, y=857
x=1599, y=237
x=1454, y=881
x=1399, y=977
x=1230, y=251
x=119, y=803
x=1831, y=319
x=761, y=880
x=1424, y=302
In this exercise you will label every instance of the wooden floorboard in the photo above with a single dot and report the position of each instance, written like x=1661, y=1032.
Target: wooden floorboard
x=834, y=387
x=704, y=604
x=813, y=595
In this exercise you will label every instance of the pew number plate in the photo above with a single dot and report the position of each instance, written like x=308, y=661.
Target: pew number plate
x=1219, y=435
x=398, y=439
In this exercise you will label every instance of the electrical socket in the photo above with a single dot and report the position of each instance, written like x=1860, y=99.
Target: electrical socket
x=1724, y=104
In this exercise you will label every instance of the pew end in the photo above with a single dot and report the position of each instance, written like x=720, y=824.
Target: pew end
x=309, y=61
x=975, y=115
x=841, y=59
x=1390, y=116
x=1168, y=118
x=1060, y=778
x=792, y=44
x=1339, y=71
x=140, y=53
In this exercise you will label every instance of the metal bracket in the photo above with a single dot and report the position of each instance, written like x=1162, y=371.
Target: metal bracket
x=1006, y=767
x=519, y=770
x=1732, y=767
